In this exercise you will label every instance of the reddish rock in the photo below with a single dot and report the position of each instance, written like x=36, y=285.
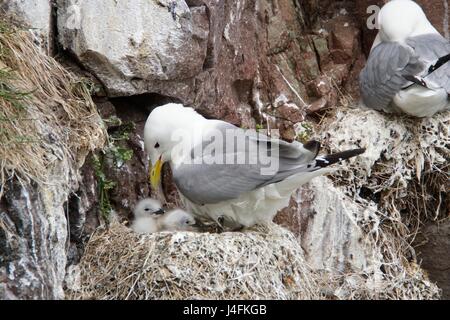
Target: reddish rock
x=289, y=218
x=295, y=217
x=287, y=131
x=324, y=89
x=438, y=13
x=352, y=84
x=291, y=113
x=317, y=106
x=344, y=40
x=435, y=254
x=322, y=49
x=321, y=86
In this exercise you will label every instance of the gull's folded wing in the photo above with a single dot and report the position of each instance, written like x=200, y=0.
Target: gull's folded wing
x=390, y=64
x=383, y=75
x=208, y=182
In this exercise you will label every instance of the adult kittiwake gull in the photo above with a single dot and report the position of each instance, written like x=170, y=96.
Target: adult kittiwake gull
x=226, y=174
x=150, y=217
x=408, y=69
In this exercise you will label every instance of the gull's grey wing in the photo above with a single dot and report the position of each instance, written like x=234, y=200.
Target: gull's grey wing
x=430, y=48
x=389, y=63
x=213, y=183
x=383, y=75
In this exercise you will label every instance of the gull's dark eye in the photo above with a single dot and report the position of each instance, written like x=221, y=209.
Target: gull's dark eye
x=157, y=145
x=147, y=209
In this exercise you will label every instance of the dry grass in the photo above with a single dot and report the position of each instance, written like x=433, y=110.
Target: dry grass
x=46, y=113
x=263, y=263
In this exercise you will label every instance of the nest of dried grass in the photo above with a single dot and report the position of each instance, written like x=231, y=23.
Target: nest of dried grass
x=46, y=113
x=262, y=263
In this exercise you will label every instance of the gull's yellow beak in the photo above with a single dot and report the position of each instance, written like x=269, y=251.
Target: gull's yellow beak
x=155, y=174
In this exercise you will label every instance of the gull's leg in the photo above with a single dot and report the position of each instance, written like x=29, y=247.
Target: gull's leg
x=221, y=223
x=228, y=224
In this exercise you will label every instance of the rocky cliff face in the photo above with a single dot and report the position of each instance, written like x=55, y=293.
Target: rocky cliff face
x=48, y=125
x=37, y=14
x=281, y=64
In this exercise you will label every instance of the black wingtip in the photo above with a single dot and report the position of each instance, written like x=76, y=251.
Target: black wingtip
x=331, y=159
x=441, y=61
x=417, y=80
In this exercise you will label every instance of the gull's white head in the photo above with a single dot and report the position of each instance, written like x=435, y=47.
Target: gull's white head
x=179, y=220
x=164, y=128
x=148, y=208
x=400, y=19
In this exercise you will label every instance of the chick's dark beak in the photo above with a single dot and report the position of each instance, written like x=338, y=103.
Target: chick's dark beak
x=159, y=212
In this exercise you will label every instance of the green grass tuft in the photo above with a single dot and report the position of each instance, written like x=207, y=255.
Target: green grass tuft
x=119, y=155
